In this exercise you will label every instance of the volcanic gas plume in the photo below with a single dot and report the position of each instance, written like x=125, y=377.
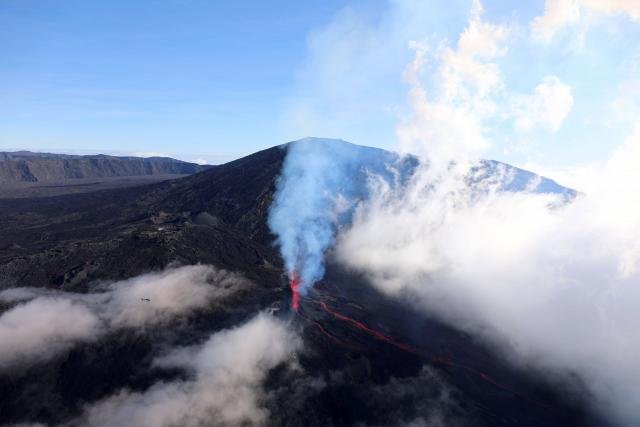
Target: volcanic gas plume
x=321, y=182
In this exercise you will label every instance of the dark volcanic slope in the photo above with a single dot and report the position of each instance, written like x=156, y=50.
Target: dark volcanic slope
x=348, y=375
x=217, y=216
x=24, y=166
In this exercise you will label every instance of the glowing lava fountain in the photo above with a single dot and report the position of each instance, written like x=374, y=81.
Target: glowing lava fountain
x=294, y=284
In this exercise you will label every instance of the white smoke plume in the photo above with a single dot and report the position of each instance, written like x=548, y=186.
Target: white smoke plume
x=552, y=285
x=224, y=388
x=45, y=322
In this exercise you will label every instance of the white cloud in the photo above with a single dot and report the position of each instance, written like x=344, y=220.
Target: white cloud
x=38, y=329
x=150, y=154
x=348, y=85
x=225, y=388
x=576, y=177
x=629, y=7
x=554, y=288
x=171, y=293
x=562, y=13
x=448, y=123
x=48, y=322
x=547, y=107
x=557, y=14
x=626, y=105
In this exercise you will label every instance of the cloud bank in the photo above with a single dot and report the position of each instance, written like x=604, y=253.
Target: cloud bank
x=224, y=385
x=171, y=293
x=553, y=288
x=552, y=285
x=43, y=327
x=45, y=323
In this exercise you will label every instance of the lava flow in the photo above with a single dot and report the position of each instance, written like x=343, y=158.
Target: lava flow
x=294, y=284
x=408, y=348
x=365, y=328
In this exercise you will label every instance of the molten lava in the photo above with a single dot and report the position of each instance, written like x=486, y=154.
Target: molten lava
x=442, y=360
x=376, y=334
x=294, y=284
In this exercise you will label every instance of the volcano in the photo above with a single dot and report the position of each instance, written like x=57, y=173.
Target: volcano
x=367, y=359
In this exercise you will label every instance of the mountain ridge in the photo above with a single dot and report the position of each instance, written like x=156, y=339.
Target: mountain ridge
x=30, y=167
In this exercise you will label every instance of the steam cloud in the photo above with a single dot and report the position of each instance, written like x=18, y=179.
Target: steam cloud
x=316, y=194
x=45, y=323
x=552, y=287
x=551, y=283
x=225, y=385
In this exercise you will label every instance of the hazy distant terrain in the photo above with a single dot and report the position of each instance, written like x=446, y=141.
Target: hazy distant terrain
x=27, y=174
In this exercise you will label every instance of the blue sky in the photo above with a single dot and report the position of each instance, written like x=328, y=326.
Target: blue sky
x=182, y=77
x=217, y=80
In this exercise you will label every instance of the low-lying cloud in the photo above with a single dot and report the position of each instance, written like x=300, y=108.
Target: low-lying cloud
x=224, y=388
x=171, y=293
x=553, y=285
x=554, y=288
x=42, y=327
x=46, y=322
